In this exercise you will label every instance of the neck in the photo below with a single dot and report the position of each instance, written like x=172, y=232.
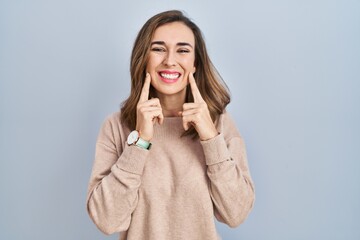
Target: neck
x=172, y=105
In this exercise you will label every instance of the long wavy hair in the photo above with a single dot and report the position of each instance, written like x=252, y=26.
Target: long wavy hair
x=211, y=86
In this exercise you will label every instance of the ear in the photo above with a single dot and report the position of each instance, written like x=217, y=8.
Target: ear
x=194, y=69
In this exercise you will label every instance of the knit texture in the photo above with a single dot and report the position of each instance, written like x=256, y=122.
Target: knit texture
x=172, y=191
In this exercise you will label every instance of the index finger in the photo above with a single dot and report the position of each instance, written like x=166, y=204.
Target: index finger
x=145, y=89
x=194, y=89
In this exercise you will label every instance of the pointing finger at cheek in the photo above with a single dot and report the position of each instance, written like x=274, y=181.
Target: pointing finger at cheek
x=145, y=89
x=194, y=89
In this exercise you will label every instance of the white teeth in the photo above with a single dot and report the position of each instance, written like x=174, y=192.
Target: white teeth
x=170, y=76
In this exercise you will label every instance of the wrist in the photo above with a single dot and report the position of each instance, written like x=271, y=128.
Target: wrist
x=144, y=136
x=135, y=139
x=209, y=134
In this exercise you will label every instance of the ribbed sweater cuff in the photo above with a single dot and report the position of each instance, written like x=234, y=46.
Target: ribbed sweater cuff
x=215, y=150
x=132, y=159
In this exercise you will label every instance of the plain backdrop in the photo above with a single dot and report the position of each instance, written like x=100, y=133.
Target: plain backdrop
x=293, y=68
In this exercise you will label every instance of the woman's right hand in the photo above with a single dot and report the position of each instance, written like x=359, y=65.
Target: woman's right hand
x=148, y=112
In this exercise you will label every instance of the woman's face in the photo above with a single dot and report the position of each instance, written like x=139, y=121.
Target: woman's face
x=171, y=59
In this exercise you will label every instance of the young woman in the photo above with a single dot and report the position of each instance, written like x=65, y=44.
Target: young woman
x=172, y=158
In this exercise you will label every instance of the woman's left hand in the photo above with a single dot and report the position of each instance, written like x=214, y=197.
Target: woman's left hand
x=197, y=114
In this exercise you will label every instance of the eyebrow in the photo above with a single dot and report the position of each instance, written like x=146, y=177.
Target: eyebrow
x=177, y=44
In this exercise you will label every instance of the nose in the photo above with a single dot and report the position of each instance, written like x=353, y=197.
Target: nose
x=169, y=59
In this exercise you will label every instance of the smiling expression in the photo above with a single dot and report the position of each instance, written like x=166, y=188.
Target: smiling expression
x=171, y=59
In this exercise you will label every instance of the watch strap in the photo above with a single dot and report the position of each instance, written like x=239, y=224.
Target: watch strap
x=143, y=144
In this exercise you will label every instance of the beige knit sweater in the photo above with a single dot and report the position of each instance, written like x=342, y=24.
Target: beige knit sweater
x=172, y=191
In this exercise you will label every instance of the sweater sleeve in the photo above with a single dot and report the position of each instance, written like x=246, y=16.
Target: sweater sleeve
x=115, y=180
x=231, y=187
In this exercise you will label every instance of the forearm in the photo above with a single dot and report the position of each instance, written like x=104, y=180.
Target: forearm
x=231, y=187
x=113, y=189
x=232, y=192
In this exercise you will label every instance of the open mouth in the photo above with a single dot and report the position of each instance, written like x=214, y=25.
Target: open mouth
x=169, y=77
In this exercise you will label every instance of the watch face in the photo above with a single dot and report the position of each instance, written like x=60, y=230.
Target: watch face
x=133, y=137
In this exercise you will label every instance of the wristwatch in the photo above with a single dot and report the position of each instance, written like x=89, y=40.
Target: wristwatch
x=135, y=139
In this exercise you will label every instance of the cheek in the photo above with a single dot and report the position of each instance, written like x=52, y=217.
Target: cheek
x=156, y=59
x=152, y=63
x=188, y=64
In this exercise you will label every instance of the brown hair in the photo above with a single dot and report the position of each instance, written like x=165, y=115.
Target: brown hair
x=211, y=86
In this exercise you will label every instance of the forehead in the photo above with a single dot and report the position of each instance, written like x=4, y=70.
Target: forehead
x=172, y=33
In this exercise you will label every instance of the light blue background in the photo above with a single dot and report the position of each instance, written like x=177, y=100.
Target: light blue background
x=293, y=68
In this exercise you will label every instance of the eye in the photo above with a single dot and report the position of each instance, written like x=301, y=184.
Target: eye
x=184, y=50
x=158, y=49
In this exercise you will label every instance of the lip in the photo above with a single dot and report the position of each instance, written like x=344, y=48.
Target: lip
x=167, y=80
